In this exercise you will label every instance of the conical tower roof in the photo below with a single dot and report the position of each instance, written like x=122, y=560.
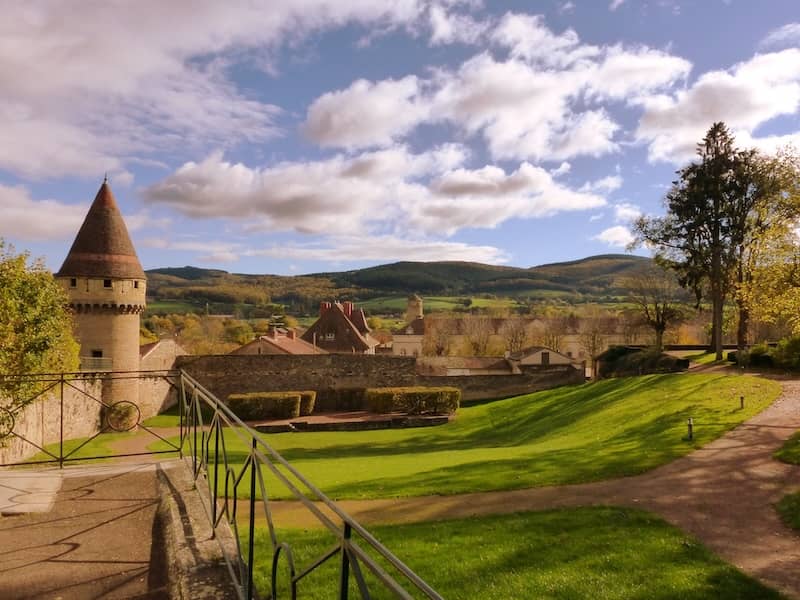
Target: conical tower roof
x=103, y=248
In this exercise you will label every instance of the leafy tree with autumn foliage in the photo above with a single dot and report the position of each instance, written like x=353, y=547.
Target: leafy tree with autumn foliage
x=35, y=326
x=719, y=212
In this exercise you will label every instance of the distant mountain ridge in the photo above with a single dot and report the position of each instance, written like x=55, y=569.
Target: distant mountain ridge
x=594, y=276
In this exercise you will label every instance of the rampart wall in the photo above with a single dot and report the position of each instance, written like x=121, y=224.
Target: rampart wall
x=229, y=374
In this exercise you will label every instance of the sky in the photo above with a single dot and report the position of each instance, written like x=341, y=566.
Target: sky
x=302, y=136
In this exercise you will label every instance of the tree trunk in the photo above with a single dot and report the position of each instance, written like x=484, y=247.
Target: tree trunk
x=659, y=340
x=741, y=332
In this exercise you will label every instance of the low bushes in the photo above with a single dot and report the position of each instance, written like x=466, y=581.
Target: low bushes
x=413, y=400
x=340, y=399
x=265, y=405
x=307, y=400
x=621, y=361
x=272, y=405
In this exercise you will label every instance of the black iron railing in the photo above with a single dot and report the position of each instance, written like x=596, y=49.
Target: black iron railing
x=206, y=429
x=356, y=550
x=58, y=394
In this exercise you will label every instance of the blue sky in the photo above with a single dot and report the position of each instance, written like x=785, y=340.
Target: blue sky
x=298, y=136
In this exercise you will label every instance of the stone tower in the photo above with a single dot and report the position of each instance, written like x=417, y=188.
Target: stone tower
x=106, y=287
x=413, y=308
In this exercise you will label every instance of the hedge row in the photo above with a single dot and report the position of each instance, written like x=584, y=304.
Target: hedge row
x=272, y=405
x=413, y=400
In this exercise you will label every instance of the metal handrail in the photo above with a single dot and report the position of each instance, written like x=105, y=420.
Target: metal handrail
x=353, y=552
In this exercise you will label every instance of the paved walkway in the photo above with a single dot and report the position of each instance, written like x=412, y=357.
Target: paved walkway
x=100, y=538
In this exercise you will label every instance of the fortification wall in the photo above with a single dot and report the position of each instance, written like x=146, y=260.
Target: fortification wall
x=39, y=422
x=232, y=374
x=229, y=374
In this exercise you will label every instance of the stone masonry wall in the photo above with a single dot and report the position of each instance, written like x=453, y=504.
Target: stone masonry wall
x=40, y=423
x=229, y=374
x=234, y=374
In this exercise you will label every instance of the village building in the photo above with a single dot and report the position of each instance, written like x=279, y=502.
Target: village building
x=341, y=329
x=540, y=356
x=408, y=339
x=279, y=340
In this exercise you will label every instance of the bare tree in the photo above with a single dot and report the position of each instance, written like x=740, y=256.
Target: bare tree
x=478, y=330
x=655, y=292
x=514, y=333
x=438, y=336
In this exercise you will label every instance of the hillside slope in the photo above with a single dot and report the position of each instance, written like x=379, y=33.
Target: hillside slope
x=592, y=277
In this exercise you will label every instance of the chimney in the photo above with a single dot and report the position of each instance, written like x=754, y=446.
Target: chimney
x=291, y=334
x=324, y=307
x=347, y=308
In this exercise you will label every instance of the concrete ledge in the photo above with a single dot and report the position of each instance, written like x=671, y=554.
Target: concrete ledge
x=196, y=564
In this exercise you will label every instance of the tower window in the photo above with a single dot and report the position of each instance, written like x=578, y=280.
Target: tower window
x=73, y=282
x=136, y=285
x=106, y=283
x=97, y=354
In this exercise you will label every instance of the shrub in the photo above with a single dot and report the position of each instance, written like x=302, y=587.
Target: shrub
x=759, y=356
x=787, y=354
x=265, y=405
x=413, y=400
x=307, y=400
x=336, y=399
x=621, y=361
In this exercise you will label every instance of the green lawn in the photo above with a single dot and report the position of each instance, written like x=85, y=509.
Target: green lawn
x=707, y=358
x=790, y=451
x=789, y=509
x=567, y=435
x=598, y=553
x=96, y=447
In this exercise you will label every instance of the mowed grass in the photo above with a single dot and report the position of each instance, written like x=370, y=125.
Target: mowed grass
x=790, y=451
x=572, y=434
x=789, y=510
x=598, y=553
x=80, y=448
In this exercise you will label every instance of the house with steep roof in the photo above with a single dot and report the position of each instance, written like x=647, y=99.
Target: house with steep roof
x=278, y=341
x=539, y=356
x=341, y=329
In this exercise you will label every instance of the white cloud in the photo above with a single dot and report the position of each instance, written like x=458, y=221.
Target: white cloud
x=384, y=248
x=615, y=4
x=606, y=184
x=366, y=114
x=448, y=27
x=542, y=102
x=27, y=219
x=744, y=97
x=627, y=74
x=487, y=197
x=566, y=8
x=211, y=251
x=87, y=90
x=785, y=36
x=375, y=192
x=528, y=38
x=626, y=212
x=562, y=169
x=617, y=236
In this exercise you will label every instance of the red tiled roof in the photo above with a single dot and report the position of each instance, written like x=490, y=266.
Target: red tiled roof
x=102, y=248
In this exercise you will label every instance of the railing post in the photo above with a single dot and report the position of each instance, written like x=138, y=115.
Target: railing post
x=216, y=474
x=61, y=423
x=252, y=524
x=182, y=413
x=344, y=575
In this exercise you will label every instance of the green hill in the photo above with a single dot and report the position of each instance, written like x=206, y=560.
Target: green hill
x=594, y=277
